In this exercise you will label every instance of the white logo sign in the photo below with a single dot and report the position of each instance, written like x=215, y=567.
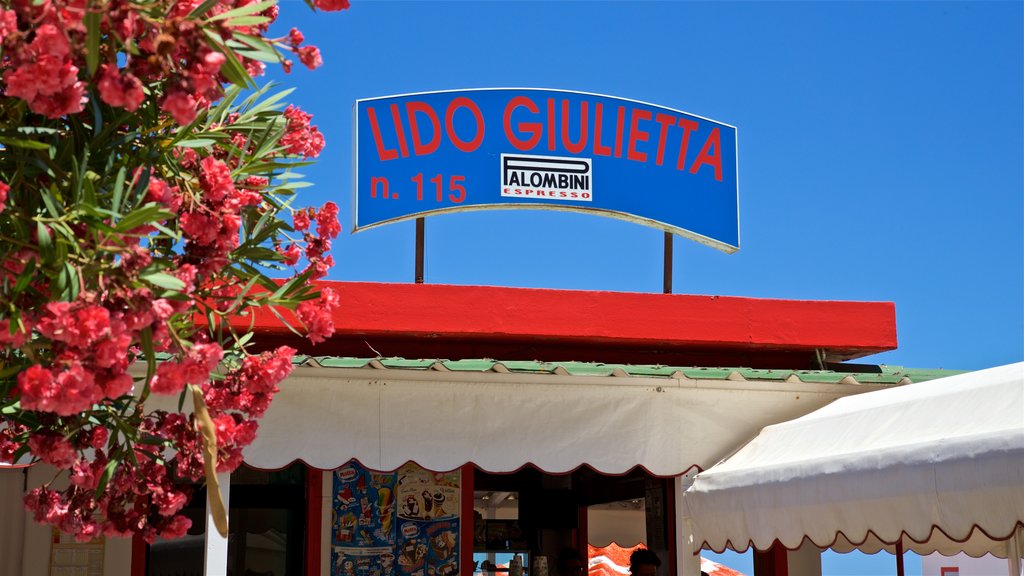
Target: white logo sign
x=546, y=177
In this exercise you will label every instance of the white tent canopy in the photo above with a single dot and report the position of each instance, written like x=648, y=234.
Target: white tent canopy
x=940, y=463
x=502, y=421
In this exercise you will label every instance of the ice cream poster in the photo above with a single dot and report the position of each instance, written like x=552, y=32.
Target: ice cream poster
x=364, y=510
x=403, y=523
x=362, y=561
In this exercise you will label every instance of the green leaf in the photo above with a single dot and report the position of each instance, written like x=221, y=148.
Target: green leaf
x=146, y=339
x=233, y=70
x=243, y=11
x=145, y=214
x=43, y=237
x=196, y=143
x=71, y=285
x=290, y=285
x=92, y=40
x=108, y=473
x=164, y=280
x=259, y=45
x=203, y=8
x=25, y=277
x=51, y=204
x=119, y=188
x=23, y=143
x=248, y=21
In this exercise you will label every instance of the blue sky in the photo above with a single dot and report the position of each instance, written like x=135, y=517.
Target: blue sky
x=881, y=153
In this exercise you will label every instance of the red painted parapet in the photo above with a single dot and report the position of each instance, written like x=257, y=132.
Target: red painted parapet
x=442, y=321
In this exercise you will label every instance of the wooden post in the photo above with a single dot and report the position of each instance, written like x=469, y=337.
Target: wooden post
x=667, y=265
x=420, y=242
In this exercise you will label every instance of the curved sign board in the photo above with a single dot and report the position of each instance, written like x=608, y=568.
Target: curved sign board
x=436, y=152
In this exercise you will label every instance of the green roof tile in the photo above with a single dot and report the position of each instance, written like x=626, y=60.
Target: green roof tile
x=867, y=375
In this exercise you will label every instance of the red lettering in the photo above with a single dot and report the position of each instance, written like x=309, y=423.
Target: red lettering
x=551, y=123
x=403, y=147
x=664, y=120
x=449, y=116
x=599, y=149
x=578, y=146
x=688, y=126
x=706, y=155
x=380, y=181
x=411, y=108
x=532, y=128
x=454, y=184
x=636, y=134
x=382, y=152
x=620, y=122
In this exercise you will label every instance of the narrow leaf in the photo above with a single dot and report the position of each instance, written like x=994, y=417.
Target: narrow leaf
x=243, y=10
x=164, y=280
x=92, y=20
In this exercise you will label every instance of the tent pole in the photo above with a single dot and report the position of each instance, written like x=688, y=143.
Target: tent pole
x=1013, y=553
x=899, y=556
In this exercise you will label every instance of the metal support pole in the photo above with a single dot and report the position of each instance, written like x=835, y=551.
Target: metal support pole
x=899, y=557
x=668, y=264
x=420, y=225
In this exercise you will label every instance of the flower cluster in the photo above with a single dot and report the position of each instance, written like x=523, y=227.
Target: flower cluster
x=166, y=45
x=136, y=227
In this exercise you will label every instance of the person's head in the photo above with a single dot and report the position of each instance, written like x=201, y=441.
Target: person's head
x=643, y=562
x=569, y=562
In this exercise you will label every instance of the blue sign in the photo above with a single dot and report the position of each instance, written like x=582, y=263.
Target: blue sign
x=436, y=152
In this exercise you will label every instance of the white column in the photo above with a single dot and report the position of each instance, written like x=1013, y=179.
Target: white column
x=215, y=557
x=687, y=563
x=1013, y=553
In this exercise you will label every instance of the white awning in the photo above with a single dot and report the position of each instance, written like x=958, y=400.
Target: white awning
x=504, y=421
x=941, y=462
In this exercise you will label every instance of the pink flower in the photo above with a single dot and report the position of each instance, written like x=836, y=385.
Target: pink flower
x=112, y=351
x=299, y=137
x=46, y=505
x=83, y=474
x=161, y=193
x=310, y=56
x=4, y=189
x=327, y=224
x=14, y=340
x=169, y=379
x=90, y=323
x=245, y=432
x=224, y=425
x=8, y=23
x=45, y=76
x=170, y=501
x=124, y=91
x=318, y=315
x=53, y=449
x=331, y=5
x=68, y=392
x=116, y=386
x=180, y=105
x=300, y=220
x=176, y=528
x=215, y=179
x=291, y=254
x=295, y=37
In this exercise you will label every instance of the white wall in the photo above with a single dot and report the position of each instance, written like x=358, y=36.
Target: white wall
x=12, y=511
x=987, y=565
x=117, y=556
x=627, y=528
